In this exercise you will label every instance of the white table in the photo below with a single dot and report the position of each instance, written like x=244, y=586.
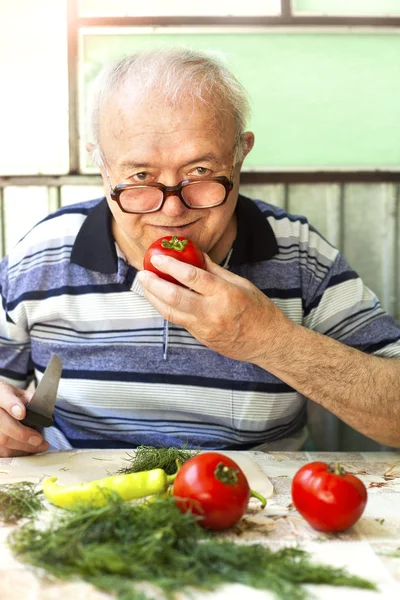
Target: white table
x=371, y=549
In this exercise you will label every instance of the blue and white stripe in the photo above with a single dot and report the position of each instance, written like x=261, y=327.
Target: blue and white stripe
x=75, y=295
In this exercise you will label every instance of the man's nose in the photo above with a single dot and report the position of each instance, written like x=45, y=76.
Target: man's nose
x=173, y=205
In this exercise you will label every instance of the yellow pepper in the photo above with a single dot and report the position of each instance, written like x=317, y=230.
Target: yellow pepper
x=96, y=493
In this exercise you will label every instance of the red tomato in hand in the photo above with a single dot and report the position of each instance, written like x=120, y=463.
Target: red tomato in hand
x=328, y=497
x=180, y=248
x=213, y=486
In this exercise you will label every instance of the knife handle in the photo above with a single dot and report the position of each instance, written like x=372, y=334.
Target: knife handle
x=36, y=421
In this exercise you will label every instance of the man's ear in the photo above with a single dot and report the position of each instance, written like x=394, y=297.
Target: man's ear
x=95, y=155
x=247, y=142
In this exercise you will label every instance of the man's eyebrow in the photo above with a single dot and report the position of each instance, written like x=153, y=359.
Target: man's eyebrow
x=130, y=164
x=210, y=156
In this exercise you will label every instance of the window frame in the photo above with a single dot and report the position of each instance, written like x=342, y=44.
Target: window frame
x=287, y=19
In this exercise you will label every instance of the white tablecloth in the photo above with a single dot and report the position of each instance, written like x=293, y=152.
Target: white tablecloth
x=370, y=549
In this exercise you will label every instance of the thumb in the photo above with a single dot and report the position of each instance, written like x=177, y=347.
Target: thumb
x=13, y=400
x=18, y=408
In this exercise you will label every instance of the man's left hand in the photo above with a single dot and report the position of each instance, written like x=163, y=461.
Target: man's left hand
x=223, y=311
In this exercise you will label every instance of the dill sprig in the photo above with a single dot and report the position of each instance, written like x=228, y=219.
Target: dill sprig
x=19, y=500
x=150, y=457
x=119, y=545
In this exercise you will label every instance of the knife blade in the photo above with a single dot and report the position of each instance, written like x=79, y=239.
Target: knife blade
x=39, y=411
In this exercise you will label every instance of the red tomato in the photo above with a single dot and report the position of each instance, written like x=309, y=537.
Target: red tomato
x=213, y=486
x=179, y=248
x=328, y=497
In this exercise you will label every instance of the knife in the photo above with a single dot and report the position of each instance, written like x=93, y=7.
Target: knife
x=39, y=411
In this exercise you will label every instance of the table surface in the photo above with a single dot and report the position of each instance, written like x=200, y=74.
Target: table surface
x=370, y=549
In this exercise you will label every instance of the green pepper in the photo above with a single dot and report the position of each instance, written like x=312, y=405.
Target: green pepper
x=96, y=493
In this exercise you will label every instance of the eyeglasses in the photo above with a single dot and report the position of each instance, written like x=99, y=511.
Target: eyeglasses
x=140, y=198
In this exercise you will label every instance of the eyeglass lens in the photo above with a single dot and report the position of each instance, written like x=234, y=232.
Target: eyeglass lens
x=198, y=194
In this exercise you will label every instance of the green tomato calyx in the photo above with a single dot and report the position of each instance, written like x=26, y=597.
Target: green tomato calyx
x=226, y=474
x=174, y=244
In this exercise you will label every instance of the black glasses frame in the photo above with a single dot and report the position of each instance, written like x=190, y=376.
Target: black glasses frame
x=169, y=190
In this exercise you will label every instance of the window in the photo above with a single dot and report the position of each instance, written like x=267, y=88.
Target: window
x=320, y=99
x=323, y=76
x=34, y=96
x=346, y=7
x=129, y=8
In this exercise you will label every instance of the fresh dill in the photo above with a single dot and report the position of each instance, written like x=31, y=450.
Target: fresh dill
x=18, y=501
x=117, y=546
x=150, y=457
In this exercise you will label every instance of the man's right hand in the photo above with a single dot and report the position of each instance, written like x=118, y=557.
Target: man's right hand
x=15, y=438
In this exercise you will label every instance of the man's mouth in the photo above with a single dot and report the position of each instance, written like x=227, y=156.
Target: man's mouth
x=175, y=226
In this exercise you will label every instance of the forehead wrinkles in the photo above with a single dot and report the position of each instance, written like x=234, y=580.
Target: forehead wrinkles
x=174, y=147
x=127, y=116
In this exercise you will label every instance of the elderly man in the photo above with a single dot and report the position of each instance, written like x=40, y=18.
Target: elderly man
x=227, y=359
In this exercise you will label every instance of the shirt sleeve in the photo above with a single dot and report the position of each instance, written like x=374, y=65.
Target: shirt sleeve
x=15, y=348
x=338, y=304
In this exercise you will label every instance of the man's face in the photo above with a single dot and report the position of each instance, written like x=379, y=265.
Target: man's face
x=153, y=142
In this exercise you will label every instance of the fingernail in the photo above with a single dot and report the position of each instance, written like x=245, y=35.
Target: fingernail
x=35, y=440
x=16, y=411
x=141, y=275
x=158, y=260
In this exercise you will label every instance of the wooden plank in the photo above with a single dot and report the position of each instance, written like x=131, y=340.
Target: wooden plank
x=73, y=92
x=23, y=208
x=369, y=229
x=321, y=205
x=2, y=224
x=53, y=198
x=71, y=194
x=397, y=258
x=273, y=194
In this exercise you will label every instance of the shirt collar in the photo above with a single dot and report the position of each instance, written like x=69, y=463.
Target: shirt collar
x=94, y=246
x=255, y=240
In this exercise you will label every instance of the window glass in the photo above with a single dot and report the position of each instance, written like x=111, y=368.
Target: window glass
x=347, y=7
x=133, y=8
x=319, y=99
x=34, y=84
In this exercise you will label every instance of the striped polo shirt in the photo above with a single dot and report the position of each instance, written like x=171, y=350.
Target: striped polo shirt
x=130, y=378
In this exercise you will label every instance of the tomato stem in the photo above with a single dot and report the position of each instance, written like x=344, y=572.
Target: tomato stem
x=336, y=468
x=226, y=474
x=259, y=497
x=174, y=244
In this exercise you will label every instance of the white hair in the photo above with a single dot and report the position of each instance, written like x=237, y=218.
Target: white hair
x=173, y=72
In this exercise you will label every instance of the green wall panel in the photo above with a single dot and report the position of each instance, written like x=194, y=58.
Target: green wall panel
x=319, y=99
x=347, y=7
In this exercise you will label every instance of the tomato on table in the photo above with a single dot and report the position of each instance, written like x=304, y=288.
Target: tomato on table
x=180, y=248
x=328, y=497
x=214, y=487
